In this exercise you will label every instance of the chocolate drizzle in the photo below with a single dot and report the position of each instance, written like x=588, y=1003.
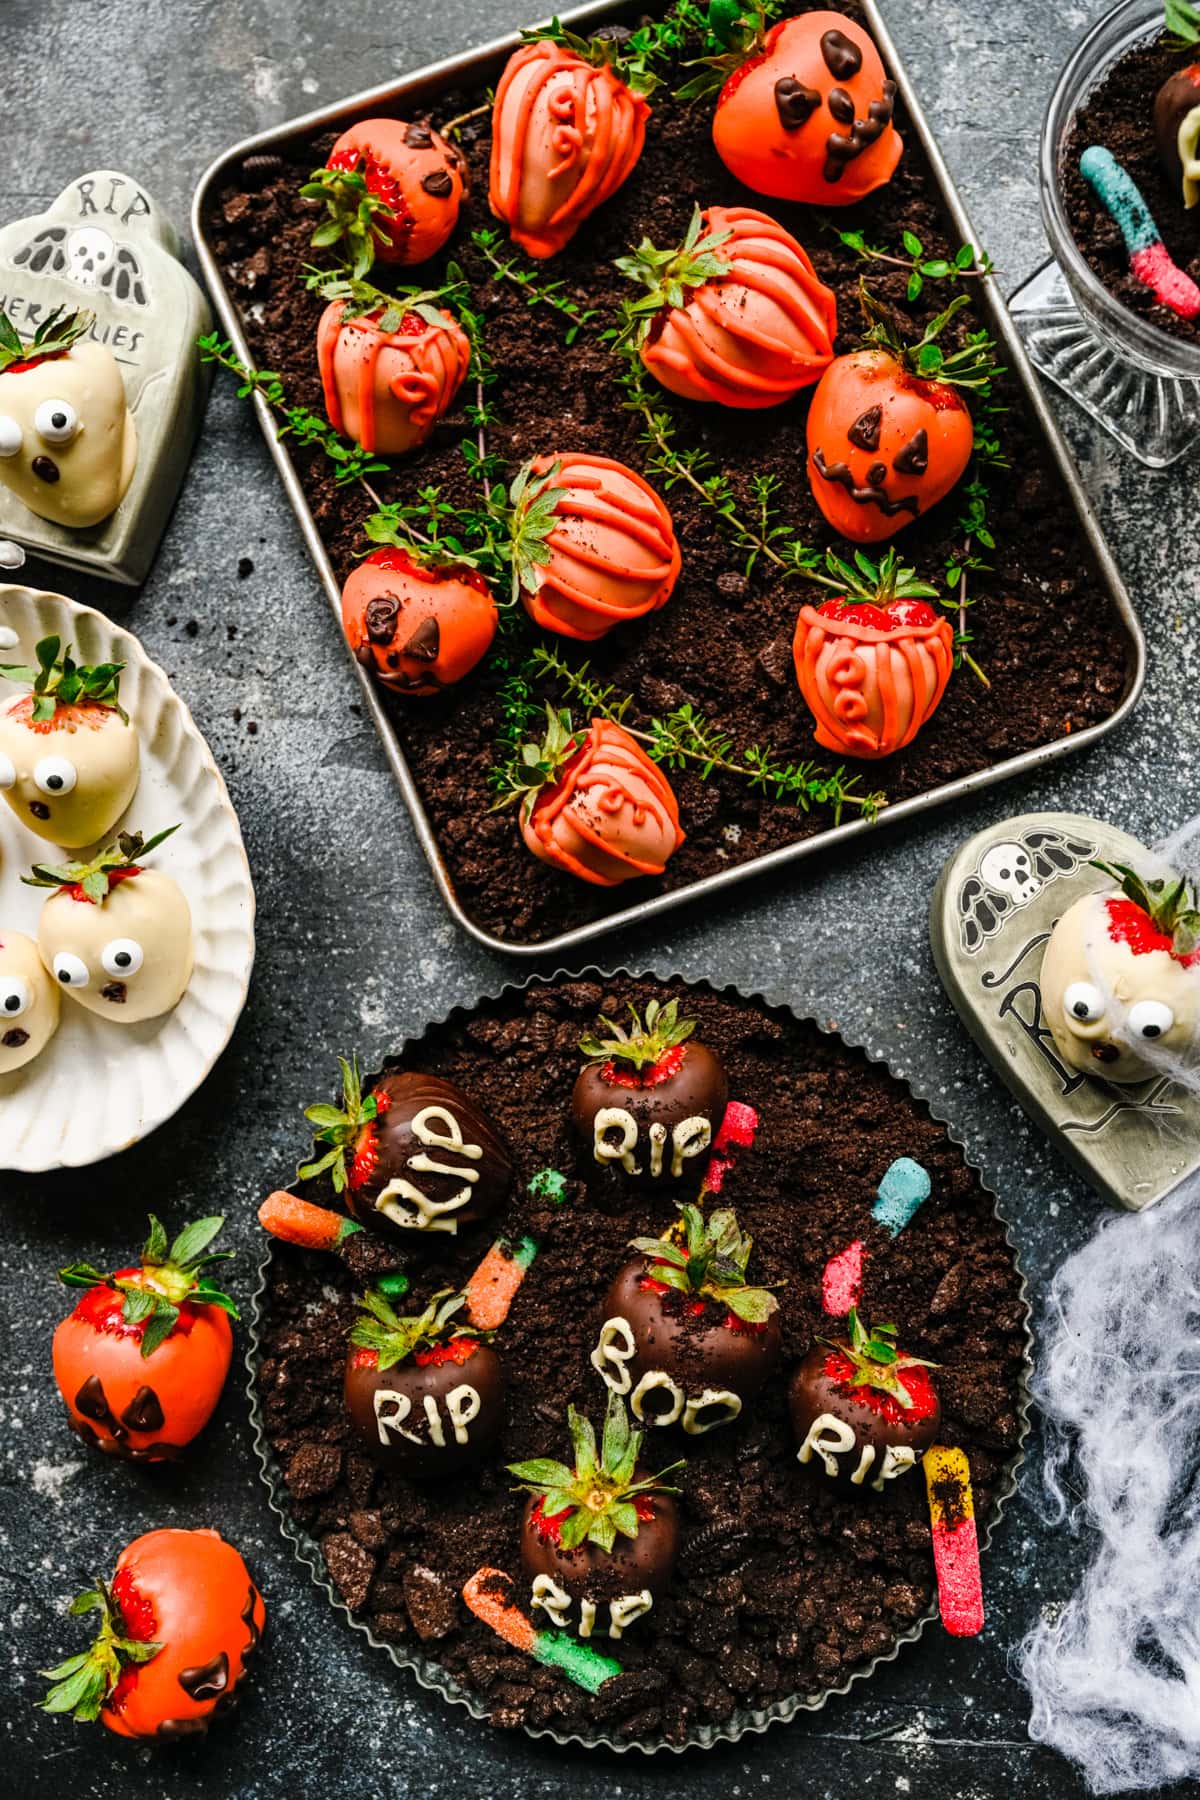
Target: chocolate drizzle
x=249, y=1621
x=144, y=1412
x=92, y=1401
x=913, y=458
x=418, y=135
x=380, y=616
x=842, y=55
x=208, y=1680
x=864, y=433
x=796, y=103
x=438, y=183
x=841, y=105
x=177, y=1728
x=425, y=641
x=841, y=148
x=864, y=496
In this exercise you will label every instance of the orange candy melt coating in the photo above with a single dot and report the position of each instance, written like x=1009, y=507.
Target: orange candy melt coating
x=613, y=554
x=565, y=136
x=422, y=221
x=870, y=691
x=610, y=816
x=387, y=390
x=442, y=622
x=205, y=1606
x=750, y=136
x=752, y=338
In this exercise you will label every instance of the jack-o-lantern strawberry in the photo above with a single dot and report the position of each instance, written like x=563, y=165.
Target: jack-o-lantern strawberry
x=863, y=1411
x=735, y=314
x=686, y=1338
x=873, y=663
x=806, y=109
x=1121, y=978
x=389, y=374
x=179, y=1622
x=391, y=192
x=417, y=628
x=567, y=128
x=143, y=1358
x=593, y=804
x=593, y=545
x=889, y=433
x=425, y=1394
x=599, y=1535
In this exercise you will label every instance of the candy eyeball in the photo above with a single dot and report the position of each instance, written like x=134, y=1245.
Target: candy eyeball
x=55, y=775
x=1149, y=1020
x=56, y=421
x=124, y=956
x=11, y=436
x=1084, y=1002
x=70, y=971
x=29, y=1005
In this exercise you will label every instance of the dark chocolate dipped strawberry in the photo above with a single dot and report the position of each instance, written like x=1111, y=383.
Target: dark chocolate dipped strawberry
x=143, y=1358
x=599, y=1536
x=179, y=1622
x=685, y=1336
x=414, y=1158
x=650, y=1101
x=425, y=1395
x=1177, y=108
x=862, y=1410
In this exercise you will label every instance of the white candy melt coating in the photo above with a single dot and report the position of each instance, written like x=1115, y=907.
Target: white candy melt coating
x=151, y=909
x=96, y=467
x=1116, y=1383
x=102, y=750
x=19, y=960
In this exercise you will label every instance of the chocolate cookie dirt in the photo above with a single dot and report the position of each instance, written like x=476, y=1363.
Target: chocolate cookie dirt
x=1050, y=650
x=786, y=1584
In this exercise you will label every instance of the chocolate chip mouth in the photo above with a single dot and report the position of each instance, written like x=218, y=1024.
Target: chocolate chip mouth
x=116, y=991
x=1105, y=1053
x=39, y=809
x=12, y=1040
x=45, y=468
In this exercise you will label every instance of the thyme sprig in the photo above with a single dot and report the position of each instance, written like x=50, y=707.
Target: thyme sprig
x=350, y=461
x=973, y=365
x=554, y=294
x=362, y=297
x=678, y=739
x=967, y=264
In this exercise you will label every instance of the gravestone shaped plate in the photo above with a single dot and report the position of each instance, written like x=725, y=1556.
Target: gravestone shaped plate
x=105, y=246
x=994, y=907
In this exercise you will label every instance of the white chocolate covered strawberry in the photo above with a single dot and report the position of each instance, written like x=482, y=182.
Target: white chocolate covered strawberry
x=1121, y=977
x=115, y=935
x=69, y=756
x=28, y=1002
x=68, y=445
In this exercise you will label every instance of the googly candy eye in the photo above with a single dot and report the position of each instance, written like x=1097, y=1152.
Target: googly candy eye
x=14, y=997
x=71, y=971
x=11, y=436
x=55, y=775
x=56, y=421
x=1084, y=1002
x=124, y=956
x=1150, y=1019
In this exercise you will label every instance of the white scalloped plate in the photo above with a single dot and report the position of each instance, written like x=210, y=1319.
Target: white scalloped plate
x=99, y=1087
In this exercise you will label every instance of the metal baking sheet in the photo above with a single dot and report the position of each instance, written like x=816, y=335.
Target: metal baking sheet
x=421, y=92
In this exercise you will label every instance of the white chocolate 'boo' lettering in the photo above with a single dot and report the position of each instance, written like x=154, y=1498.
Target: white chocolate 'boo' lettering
x=424, y=1214
x=691, y=1137
x=615, y=1350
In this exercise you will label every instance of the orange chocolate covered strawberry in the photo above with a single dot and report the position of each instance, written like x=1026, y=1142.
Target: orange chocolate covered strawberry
x=567, y=129
x=143, y=1358
x=594, y=804
x=593, y=545
x=389, y=373
x=391, y=192
x=889, y=433
x=734, y=314
x=806, y=110
x=179, y=1622
x=873, y=663
x=417, y=629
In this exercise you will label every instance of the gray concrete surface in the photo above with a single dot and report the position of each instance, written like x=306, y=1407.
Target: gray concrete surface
x=356, y=948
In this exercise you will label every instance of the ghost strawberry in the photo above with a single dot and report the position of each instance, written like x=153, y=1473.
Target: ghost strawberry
x=179, y=1622
x=652, y=1097
x=143, y=1358
x=599, y=1536
x=414, y=1158
x=873, y=663
x=68, y=754
x=863, y=1412
x=425, y=1394
x=1120, y=977
x=685, y=1336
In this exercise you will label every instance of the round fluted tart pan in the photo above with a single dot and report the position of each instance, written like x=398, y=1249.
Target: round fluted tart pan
x=785, y=1591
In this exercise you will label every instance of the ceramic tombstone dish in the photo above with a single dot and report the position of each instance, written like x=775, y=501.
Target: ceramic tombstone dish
x=112, y=1072
x=105, y=249
x=1126, y=1124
